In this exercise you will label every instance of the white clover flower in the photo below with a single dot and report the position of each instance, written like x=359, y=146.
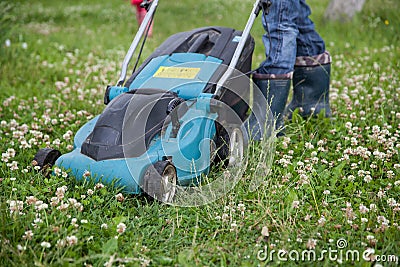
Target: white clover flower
x=7, y=43
x=45, y=244
x=24, y=45
x=78, y=206
x=24, y=144
x=13, y=165
x=300, y=164
x=41, y=206
x=71, y=240
x=367, y=178
x=104, y=226
x=354, y=141
x=37, y=221
x=54, y=201
x=57, y=171
x=308, y=145
x=121, y=227
x=363, y=209
x=21, y=248
x=61, y=191
x=350, y=178
x=373, y=207
x=30, y=200
x=322, y=220
x=381, y=219
x=295, y=204
x=233, y=226
x=16, y=206
x=99, y=186
x=63, y=206
x=119, y=197
x=348, y=125
x=61, y=243
x=67, y=136
x=381, y=193
x=311, y=243
x=370, y=237
x=57, y=142
x=392, y=202
x=28, y=235
x=241, y=207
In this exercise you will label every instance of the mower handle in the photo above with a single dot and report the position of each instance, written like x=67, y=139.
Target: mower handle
x=151, y=7
x=258, y=6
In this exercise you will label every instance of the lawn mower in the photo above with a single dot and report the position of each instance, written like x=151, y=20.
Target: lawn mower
x=179, y=113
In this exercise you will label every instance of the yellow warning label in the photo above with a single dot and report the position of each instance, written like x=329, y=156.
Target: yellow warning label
x=176, y=72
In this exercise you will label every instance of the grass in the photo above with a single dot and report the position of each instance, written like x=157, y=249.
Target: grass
x=331, y=181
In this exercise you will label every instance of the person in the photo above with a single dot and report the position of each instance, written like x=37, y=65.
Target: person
x=141, y=13
x=295, y=53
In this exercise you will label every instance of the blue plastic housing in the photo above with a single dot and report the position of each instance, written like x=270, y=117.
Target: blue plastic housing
x=187, y=75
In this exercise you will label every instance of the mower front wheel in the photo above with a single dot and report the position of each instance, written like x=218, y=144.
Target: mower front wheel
x=45, y=158
x=159, y=181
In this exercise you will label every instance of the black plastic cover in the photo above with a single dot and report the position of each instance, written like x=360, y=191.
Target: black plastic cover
x=128, y=124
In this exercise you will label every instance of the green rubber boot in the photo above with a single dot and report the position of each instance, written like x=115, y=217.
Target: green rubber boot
x=272, y=93
x=311, y=90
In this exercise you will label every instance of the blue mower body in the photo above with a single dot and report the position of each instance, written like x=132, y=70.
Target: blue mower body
x=164, y=112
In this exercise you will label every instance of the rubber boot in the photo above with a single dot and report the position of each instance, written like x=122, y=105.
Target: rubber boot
x=310, y=91
x=272, y=93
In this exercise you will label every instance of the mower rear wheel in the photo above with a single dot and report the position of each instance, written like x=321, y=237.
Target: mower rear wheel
x=160, y=181
x=231, y=146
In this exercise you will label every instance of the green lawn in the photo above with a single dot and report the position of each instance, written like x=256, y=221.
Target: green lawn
x=334, y=185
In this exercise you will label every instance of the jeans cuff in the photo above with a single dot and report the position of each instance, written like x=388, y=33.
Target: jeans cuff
x=321, y=59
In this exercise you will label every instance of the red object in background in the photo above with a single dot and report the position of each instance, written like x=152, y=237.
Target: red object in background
x=141, y=13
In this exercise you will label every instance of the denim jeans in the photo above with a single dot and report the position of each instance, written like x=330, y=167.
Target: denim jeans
x=292, y=35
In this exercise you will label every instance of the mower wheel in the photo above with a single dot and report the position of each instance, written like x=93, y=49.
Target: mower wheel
x=159, y=181
x=231, y=146
x=45, y=158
